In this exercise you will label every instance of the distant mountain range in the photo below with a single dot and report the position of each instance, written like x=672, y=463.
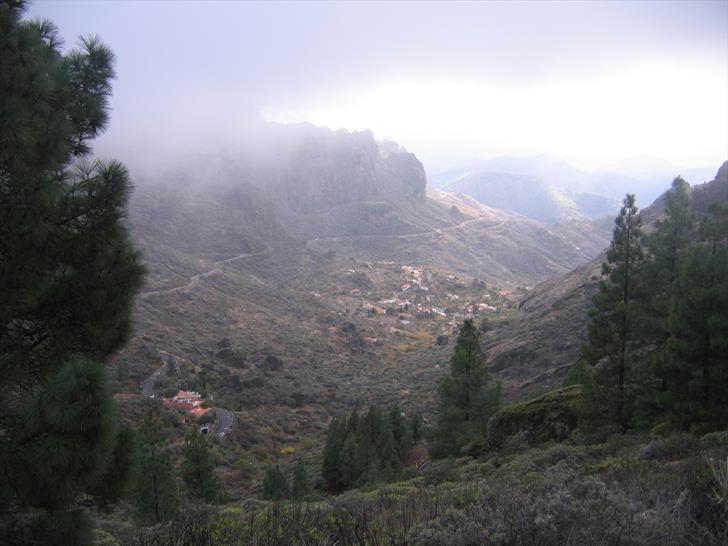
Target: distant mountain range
x=531, y=197
x=549, y=189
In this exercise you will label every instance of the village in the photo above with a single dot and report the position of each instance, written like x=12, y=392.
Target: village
x=393, y=299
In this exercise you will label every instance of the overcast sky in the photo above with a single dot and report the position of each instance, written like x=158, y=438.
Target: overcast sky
x=595, y=83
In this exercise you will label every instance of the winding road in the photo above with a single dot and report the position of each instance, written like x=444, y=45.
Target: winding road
x=223, y=418
x=223, y=421
x=436, y=231
x=195, y=279
x=147, y=386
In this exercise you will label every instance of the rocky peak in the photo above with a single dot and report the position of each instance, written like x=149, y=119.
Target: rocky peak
x=323, y=169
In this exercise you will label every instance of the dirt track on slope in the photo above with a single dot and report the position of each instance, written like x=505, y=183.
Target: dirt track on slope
x=195, y=279
x=437, y=231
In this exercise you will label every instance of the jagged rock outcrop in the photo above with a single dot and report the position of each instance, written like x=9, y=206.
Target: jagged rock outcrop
x=323, y=169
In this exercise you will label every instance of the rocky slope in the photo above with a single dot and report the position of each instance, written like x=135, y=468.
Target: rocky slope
x=342, y=192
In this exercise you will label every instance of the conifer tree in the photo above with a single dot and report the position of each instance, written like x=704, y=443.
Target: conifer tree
x=352, y=423
x=466, y=398
x=697, y=364
x=299, y=482
x=370, y=439
x=613, y=326
x=331, y=467
x=390, y=454
x=402, y=431
x=349, y=463
x=198, y=471
x=416, y=426
x=666, y=246
x=64, y=450
x=366, y=449
x=115, y=481
x=275, y=485
x=155, y=495
x=68, y=275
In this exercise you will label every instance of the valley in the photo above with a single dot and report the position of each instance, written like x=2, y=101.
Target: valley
x=236, y=310
x=291, y=332
x=287, y=332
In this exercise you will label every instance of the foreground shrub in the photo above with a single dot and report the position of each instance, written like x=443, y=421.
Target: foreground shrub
x=669, y=449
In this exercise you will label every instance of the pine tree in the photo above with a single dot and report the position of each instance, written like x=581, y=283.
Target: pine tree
x=331, y=467
x=666, y=246
x=198, y=471
x=579, y=374
x=353, y=422
x=68, y=275
x=613, y=326
x=466, y=398
x=154, y=488
x=389, y=453
x=369, y=438
x=697, y=347
x=349, y=463
x=67, y=443
x=402, y=431
x=115, y=481
x=275, y=485
x=299, y=482
x=416, y=426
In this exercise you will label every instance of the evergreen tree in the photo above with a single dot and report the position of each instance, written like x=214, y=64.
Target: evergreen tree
x=613, y=326
x=579, y=374
x=697, y=366
x=370, y=438
x=372, y=473
x=466, y=398
x=68, y=275
x=299, y=483
x=666, y=246
x=198, y=471
x=331, y=467
x=367, y=449
x=349, y=463
x=352, y=423
x=68, y=442
x=402, y=431
x=389, y=453
x=275, y=485
x=154, y=489
x=416, y=426
x=116, y=478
